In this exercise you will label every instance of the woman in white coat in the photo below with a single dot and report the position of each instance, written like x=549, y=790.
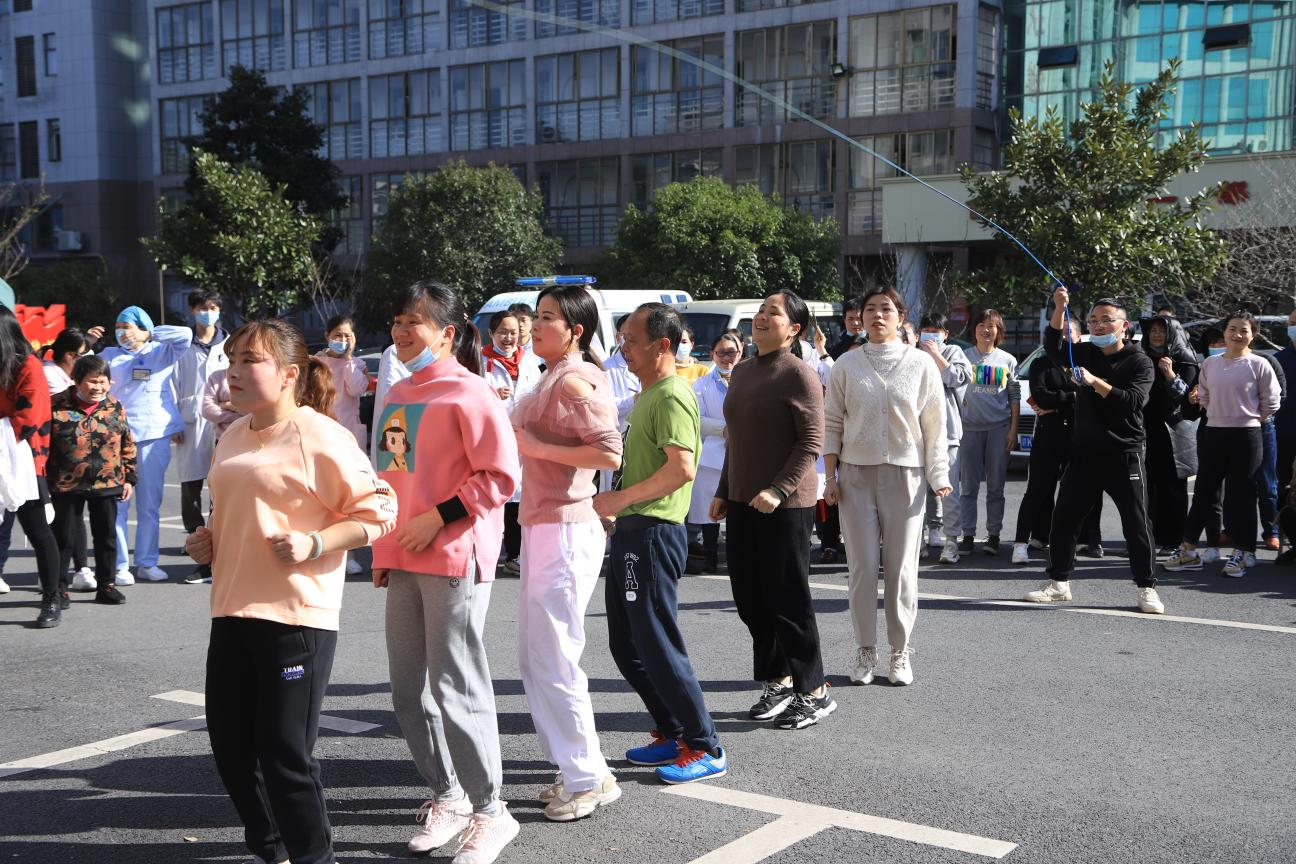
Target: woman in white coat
x=711, y=390
x=513, y=373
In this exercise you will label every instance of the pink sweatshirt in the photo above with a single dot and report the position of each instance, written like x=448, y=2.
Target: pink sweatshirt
x=556, y=492
x=350, y=380
x=1238, y=393
x=302, y=474
x=444, y=442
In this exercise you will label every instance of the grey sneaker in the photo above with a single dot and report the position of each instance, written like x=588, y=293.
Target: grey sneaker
x=865, y=663
x=581, y=804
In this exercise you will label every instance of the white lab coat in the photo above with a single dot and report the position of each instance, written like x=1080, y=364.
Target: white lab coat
x=390, y=370
x=528, y=379
x=711, y=391
x=194, y=453
x=822, y=368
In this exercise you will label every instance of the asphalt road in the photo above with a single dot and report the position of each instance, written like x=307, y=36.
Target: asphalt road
x=1079, y=737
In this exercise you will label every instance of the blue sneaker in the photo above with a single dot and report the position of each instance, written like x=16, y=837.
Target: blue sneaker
x=662, y=751
x=694, y=765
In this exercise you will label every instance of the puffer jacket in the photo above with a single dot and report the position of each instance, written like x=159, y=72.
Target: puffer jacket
x=1165, y=400
x=91, y=452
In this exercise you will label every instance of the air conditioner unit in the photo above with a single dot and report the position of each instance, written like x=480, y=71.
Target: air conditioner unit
x=68, y=241
x=1260, y=145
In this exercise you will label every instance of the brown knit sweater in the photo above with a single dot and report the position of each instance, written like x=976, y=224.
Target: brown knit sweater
x=775, y=424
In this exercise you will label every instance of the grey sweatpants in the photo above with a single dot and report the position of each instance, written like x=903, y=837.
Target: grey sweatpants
x=441, y=683
x=945, y=511
x=984, y=457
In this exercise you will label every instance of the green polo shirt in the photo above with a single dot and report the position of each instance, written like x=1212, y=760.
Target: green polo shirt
x=664, y=415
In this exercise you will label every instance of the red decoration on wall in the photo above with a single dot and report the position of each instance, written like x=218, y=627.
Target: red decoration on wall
x=1234, y=192
x=41, y=324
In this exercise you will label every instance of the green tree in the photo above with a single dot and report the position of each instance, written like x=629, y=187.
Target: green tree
x=718, y=242
x=82, y=285
x=239, y=235
x=475, y=229
x=270, y=129
x=1087, y=201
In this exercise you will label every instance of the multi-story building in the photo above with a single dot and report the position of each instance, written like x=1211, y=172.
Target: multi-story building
x=600, y=103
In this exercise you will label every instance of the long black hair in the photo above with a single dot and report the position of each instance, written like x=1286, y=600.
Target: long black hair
x=70, y=341
x=443, y=305
x=576, y=307
x=798, y=313
x=14, y=348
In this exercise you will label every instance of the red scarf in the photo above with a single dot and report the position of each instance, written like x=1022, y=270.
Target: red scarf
x=510, y=364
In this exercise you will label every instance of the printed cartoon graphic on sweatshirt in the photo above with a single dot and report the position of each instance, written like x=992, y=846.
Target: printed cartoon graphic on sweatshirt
x=399, y=427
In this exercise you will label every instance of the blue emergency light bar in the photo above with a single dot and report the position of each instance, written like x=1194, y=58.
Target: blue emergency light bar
x=545, y=281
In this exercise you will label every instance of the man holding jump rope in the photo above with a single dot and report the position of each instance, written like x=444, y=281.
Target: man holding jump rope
x=1107, y=446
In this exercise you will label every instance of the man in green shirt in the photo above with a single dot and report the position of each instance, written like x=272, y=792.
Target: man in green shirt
x=649, y=548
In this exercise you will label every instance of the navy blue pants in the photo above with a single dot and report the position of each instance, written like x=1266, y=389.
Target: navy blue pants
x=647, y=559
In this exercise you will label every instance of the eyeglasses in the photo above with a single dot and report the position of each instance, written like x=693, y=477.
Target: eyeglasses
x=732, y=352
x=1104, y=322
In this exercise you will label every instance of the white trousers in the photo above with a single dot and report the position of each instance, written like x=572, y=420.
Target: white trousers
x=560, y=570
x=877, y=502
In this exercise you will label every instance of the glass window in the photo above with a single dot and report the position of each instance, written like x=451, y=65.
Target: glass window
x=794, y=63
x=29, y=148
x=349, y=218
x=922, y=153
x=670, y=95
x=8, y=152
x=186, y=43
x=325, y=32
x=904, y=61
x=178, y=120
x=577, y=96
x=401, y=27
x=650, y=172
x=799, y=173
x=488, y=106
x=25, y=61
x=755, y=5
x=383, y=187
x=252, y=35
x=50, y=45
x=335, y=105
x=597, y=13
x=53, y=140
x=582, y=199
x=405, y=114
x=650, y=11
x=472, y=26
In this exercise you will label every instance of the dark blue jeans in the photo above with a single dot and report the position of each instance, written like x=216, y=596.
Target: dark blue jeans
x=643, y=632
x=1267, y=480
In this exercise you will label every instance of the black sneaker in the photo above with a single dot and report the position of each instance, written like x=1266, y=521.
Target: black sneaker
x=965, y=545
x=806, y=710
x=828, y=555
x=991, y=545
x=774, y=700
x=65, y=602
x=50, y=614
x=1094, y=551
x=109, y=596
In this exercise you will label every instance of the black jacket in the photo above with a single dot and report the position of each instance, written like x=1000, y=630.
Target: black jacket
x=841, y=346
x=1164, y=403
x=1113, y=424
x=1052, y=388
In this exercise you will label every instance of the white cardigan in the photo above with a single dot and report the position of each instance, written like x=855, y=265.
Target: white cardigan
x=897, y=419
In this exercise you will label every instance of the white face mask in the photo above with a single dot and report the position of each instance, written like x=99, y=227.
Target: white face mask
x=683, y=352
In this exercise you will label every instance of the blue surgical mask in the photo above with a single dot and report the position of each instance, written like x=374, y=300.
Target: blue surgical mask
x=126, y=343
x=1215, y=352
x=424, y=359
x=338, y=346
x=1103, y=340
x=207, y=317
x=930, y=337
x=1291, y=334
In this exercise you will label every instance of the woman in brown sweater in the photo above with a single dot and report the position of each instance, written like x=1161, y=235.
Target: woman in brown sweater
x=774, y=421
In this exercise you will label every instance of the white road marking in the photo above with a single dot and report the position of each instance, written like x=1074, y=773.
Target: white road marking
x=98, y=748
x=326, y=721
x=1022, y=604
x=805, y=820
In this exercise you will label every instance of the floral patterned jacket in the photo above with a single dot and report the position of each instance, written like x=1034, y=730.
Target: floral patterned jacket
x=91, y=451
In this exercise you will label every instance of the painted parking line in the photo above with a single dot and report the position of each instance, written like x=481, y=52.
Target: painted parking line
x=155, y=733
x=326, y=721
x=798, y=820
x=1022, y=604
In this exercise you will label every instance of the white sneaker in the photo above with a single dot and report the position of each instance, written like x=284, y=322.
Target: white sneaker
x=84, y=580
x=1235, y=567
x=552, y=791
x=439, y=823
x=865, y=663
x=485, y=837
x=153, y=574
x=950, y=554
x=935, y=537
x=123, y=577
x=4, y=587
x=901, y=672
x=582, y=804
x=1186, y=559
x=1050, y=592
x=1021, y=553
x=1208, y=555
x=1150, y=602
x=353, y=567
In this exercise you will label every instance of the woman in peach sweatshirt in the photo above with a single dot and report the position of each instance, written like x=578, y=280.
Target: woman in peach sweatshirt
x=291, y=493
x=446, y=447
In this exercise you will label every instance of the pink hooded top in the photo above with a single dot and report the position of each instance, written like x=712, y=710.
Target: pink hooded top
x=555, y=492
x=350, y=380
x=444, y=442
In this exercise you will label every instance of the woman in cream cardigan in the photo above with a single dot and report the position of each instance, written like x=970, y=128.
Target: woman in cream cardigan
x=884, y=441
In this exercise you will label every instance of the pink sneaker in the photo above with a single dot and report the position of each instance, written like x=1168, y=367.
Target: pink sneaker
x=485, y=837
x=439, y=823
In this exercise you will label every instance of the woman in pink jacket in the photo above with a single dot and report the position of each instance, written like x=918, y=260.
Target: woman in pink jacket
x=350, y=377
x=445, y=445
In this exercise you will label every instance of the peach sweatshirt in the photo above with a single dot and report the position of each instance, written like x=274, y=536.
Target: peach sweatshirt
x=304, y=473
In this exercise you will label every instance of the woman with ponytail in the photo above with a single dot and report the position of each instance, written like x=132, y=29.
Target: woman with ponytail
x=566, y=430
x=447, y=449
x=291, y=493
